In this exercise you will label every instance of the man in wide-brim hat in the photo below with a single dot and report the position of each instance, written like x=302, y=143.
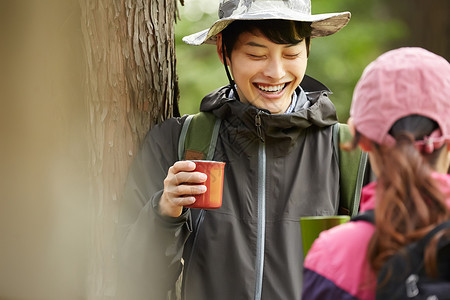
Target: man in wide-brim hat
x=275, y=136
x=294, y=10
x=268, y=12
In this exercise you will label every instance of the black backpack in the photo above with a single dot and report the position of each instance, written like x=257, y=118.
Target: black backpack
x=408, y=279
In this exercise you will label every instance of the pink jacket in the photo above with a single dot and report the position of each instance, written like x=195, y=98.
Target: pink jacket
x=336, y=266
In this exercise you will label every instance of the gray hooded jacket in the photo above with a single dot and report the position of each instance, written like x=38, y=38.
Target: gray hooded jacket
x=278, y=169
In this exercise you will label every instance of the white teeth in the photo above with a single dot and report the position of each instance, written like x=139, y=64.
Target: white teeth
x=272, y=88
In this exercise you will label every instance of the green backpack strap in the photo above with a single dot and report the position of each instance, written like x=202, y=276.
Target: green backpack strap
x=198, y=137
x=352, y=168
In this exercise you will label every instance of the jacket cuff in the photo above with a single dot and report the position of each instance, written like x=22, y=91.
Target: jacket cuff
x=184, y=218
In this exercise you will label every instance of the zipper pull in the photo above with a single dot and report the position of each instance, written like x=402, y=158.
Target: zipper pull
x=258, y=125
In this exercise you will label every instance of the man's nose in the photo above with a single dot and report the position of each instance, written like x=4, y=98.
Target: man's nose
x=275, y=68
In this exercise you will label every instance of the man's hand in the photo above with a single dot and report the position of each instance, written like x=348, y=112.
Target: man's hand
x=180, y=184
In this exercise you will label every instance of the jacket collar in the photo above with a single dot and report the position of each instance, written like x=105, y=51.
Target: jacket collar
x=284, y=129
x=321, y=112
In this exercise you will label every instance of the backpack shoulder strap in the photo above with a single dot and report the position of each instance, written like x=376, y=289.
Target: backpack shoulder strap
x=352, y=168
x=403, y=275
x=198, y=136
x=367, y=216
x=426, y=239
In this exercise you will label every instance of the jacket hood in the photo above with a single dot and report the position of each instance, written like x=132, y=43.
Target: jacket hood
x=321, y=112
x=283, y=129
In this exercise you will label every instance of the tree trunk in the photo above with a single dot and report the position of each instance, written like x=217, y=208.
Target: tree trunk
x=428, y=23
x=131, y=85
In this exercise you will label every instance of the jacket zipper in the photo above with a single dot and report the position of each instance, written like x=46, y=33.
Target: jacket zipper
x=259, y=266
x=258, y=125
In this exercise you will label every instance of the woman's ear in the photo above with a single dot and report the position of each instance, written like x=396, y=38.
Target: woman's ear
x=219, y=46
x=448, y=158
x=364, y=143
x=351, y=126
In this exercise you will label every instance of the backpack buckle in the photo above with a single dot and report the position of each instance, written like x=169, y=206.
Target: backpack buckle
x=411, y=286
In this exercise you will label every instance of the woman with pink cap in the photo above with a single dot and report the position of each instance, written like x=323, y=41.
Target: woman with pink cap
x=400, y=115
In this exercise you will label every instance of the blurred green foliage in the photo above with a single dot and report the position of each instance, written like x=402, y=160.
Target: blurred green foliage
x=337, y=60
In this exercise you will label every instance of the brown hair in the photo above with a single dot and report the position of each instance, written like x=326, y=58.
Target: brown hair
x=409, y=202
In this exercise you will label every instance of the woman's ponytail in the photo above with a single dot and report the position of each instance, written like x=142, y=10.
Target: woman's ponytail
x=409, y=201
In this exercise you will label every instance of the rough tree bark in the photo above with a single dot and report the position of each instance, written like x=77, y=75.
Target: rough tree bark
x=131, y=85
x=428, y=23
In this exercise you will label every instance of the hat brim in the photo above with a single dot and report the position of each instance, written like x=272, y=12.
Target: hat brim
x=321, y=25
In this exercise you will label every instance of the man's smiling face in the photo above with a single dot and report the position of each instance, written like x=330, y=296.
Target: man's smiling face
x=266, y=73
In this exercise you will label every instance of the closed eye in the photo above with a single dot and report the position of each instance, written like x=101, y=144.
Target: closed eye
x=292, y=56
x=253, y=56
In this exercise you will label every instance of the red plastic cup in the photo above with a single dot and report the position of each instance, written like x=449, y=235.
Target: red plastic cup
x=212, y=198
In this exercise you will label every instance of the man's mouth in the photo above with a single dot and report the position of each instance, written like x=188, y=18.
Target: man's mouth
x=271, y=88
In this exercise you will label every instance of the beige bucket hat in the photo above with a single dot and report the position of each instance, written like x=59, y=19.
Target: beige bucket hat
x=295, y=10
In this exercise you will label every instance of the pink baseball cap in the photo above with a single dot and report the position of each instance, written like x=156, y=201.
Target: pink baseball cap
x=402, y=82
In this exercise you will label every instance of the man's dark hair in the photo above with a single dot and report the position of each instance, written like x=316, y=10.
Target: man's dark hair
x=277, y=31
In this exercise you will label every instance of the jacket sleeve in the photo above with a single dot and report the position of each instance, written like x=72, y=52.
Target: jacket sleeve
x=150, y=246
x=336, y=266
x=317, y=281
x=318, y=287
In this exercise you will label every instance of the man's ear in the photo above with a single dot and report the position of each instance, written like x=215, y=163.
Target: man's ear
x=308, y=50
x=219, y=46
